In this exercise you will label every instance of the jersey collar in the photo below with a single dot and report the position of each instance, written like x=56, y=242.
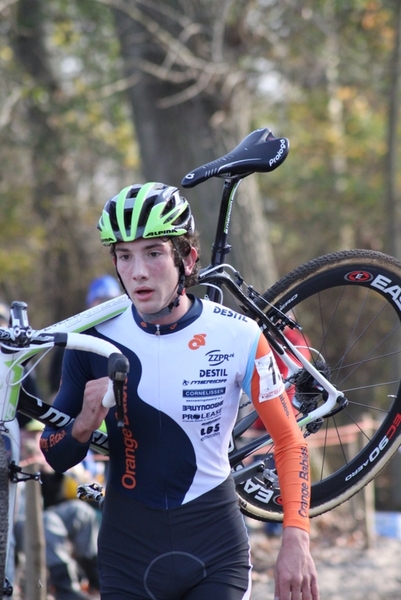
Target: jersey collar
x=190, y=316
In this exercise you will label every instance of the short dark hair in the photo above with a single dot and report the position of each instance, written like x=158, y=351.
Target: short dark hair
x=181, y=248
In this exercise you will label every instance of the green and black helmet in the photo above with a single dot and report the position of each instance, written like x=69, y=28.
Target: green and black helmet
x=145, y=211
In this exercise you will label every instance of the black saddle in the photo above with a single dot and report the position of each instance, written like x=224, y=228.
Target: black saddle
x=259, y=152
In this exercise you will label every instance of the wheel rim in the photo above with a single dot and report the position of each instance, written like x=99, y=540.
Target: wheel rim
x=353, y=323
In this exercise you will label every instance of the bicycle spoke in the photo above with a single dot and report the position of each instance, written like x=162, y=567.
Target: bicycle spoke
x=353, y=330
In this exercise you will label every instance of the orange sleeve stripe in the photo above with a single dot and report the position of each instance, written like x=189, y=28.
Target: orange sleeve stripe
x=290, y=450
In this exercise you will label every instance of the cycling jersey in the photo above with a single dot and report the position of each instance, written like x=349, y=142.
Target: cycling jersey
x=180, y=404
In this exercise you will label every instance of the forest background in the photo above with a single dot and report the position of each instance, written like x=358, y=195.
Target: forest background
x=98, y=94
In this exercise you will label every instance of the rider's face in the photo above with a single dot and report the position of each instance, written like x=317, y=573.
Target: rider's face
x=149, y=274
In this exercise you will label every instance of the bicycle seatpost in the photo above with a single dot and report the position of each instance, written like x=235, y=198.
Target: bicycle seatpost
x=118, y=368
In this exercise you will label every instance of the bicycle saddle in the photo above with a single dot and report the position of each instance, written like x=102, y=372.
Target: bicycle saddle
x=259, y=152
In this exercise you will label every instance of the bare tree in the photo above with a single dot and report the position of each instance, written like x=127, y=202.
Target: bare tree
x=392, y=209
x=64, y=254
x=190, y=104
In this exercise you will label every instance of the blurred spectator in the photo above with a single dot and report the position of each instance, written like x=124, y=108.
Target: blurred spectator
x=100, y=290
x=4, y=314
x=70, y=525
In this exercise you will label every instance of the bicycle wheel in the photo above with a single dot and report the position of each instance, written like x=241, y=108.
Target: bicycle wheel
x=3, y=509
x=349, y=307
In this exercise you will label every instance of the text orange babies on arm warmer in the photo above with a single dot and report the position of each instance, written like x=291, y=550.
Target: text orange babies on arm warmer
x=290, y=449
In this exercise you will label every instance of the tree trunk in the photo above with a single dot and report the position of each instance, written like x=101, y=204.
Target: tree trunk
x=174, y=138
x=392, y=239
x=54, y=208
x=392, y=242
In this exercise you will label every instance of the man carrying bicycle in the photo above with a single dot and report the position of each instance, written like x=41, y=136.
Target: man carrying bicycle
x=171, y=526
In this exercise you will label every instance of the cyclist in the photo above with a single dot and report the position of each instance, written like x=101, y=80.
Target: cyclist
x=171, y=525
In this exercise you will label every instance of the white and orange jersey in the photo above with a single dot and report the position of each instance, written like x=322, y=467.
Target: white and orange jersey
x=180, y=404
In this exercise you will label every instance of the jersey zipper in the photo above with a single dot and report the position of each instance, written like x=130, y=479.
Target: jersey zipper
x=159, y=405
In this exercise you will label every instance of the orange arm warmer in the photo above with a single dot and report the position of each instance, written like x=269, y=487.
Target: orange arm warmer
x=290, y=449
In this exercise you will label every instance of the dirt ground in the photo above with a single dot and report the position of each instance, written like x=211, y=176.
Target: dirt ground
x=349, y=567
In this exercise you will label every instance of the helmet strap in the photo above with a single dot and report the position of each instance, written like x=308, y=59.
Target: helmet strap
x=113, y=254
x=152, y=317
x=180, y=289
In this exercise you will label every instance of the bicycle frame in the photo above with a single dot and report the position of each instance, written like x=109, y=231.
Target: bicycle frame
x=216, y=276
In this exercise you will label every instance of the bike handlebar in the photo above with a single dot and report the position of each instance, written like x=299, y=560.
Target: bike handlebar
x=118, y=364
x=118, y=368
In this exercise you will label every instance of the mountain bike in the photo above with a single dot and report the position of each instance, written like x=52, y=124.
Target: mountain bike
x=342, y=373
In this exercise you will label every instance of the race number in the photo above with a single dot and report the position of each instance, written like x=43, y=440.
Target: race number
x=271, y=382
